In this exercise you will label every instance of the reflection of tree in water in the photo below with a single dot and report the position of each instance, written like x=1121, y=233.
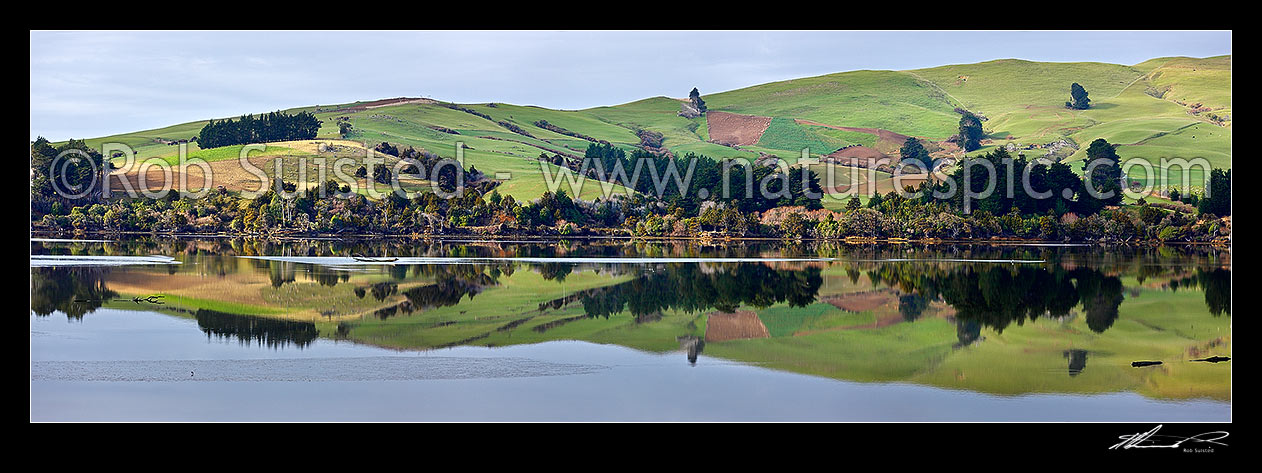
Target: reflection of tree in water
x=1077, y=361
x=910, y=306
x=1217, y=286
x=967, y=332
x=997, y=296
x=73, y=291
x=693, y=345
x=853, y=275
x=648, y=317
x=695, y=288
x=1012, y=296
x=555, y=271
x=248, y=329
x=386, y=312
x=382, y=290
x=327, y=277
x=1100, y=297
x=450, y=286
x=280, y=272
x=447, y=291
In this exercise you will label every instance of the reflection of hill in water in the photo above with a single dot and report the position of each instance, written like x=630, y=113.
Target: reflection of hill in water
x=448, y=290
x=1217, y=286
x=998, y=296
x=693, y=288
x=217, y=254
x=920, y=316
x=73, y=291
x=271, y=333
x=994, y=296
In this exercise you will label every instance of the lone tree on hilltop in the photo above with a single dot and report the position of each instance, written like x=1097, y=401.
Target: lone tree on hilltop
x=695, y=97
x=970, y=132
x=1079, y=96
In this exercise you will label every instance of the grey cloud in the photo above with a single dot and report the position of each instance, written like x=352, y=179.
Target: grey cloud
x=88, y=84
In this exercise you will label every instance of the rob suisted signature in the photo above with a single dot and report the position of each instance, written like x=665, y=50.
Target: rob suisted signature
x=1150, y=438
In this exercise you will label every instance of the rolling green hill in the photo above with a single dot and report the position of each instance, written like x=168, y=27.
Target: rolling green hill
x=1160, y=108
x=891, y=100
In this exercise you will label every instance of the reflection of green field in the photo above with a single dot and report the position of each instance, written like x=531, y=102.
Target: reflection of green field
x=333, y=301
x=621, y=329
x=1155, y=326
x=890, y=353
x=1023, y=359
x=303, y=298
x=518, y=296
x=817, y=339
x=194, y=303
x=783, y=321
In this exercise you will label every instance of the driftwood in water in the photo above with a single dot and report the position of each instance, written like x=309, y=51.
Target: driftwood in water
x=366, y=259
x=1215, y=359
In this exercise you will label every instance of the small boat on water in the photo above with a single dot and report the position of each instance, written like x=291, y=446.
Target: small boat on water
x=369, y=259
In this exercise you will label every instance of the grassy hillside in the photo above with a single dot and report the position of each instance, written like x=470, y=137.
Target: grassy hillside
x=1147, y=108
x=1164, y=107
x=889, y=100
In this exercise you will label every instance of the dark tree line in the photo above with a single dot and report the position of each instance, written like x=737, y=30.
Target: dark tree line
x=271, y=333
x=997, y=297
x=912, y=149
x=466, y=110
x=57, y=185
x=449, y=173
x=690, y=289
x=274, y=126
x=72, y=291
x=557, y=206
x=1218, y=200
x=1068, y=190
x=556, y=129
x=1105, y=176
x=745, y=182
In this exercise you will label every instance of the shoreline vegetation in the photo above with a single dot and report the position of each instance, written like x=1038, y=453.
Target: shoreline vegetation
x=789, y=208
x=600, y=237
x=1125, y=224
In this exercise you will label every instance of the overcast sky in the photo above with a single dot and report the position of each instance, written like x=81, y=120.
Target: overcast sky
x=98, y=83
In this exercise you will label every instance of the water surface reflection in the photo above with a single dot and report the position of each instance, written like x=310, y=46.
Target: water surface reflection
x=1004, y=320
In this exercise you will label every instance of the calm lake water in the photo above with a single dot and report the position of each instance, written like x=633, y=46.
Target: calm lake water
x=249, y=330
